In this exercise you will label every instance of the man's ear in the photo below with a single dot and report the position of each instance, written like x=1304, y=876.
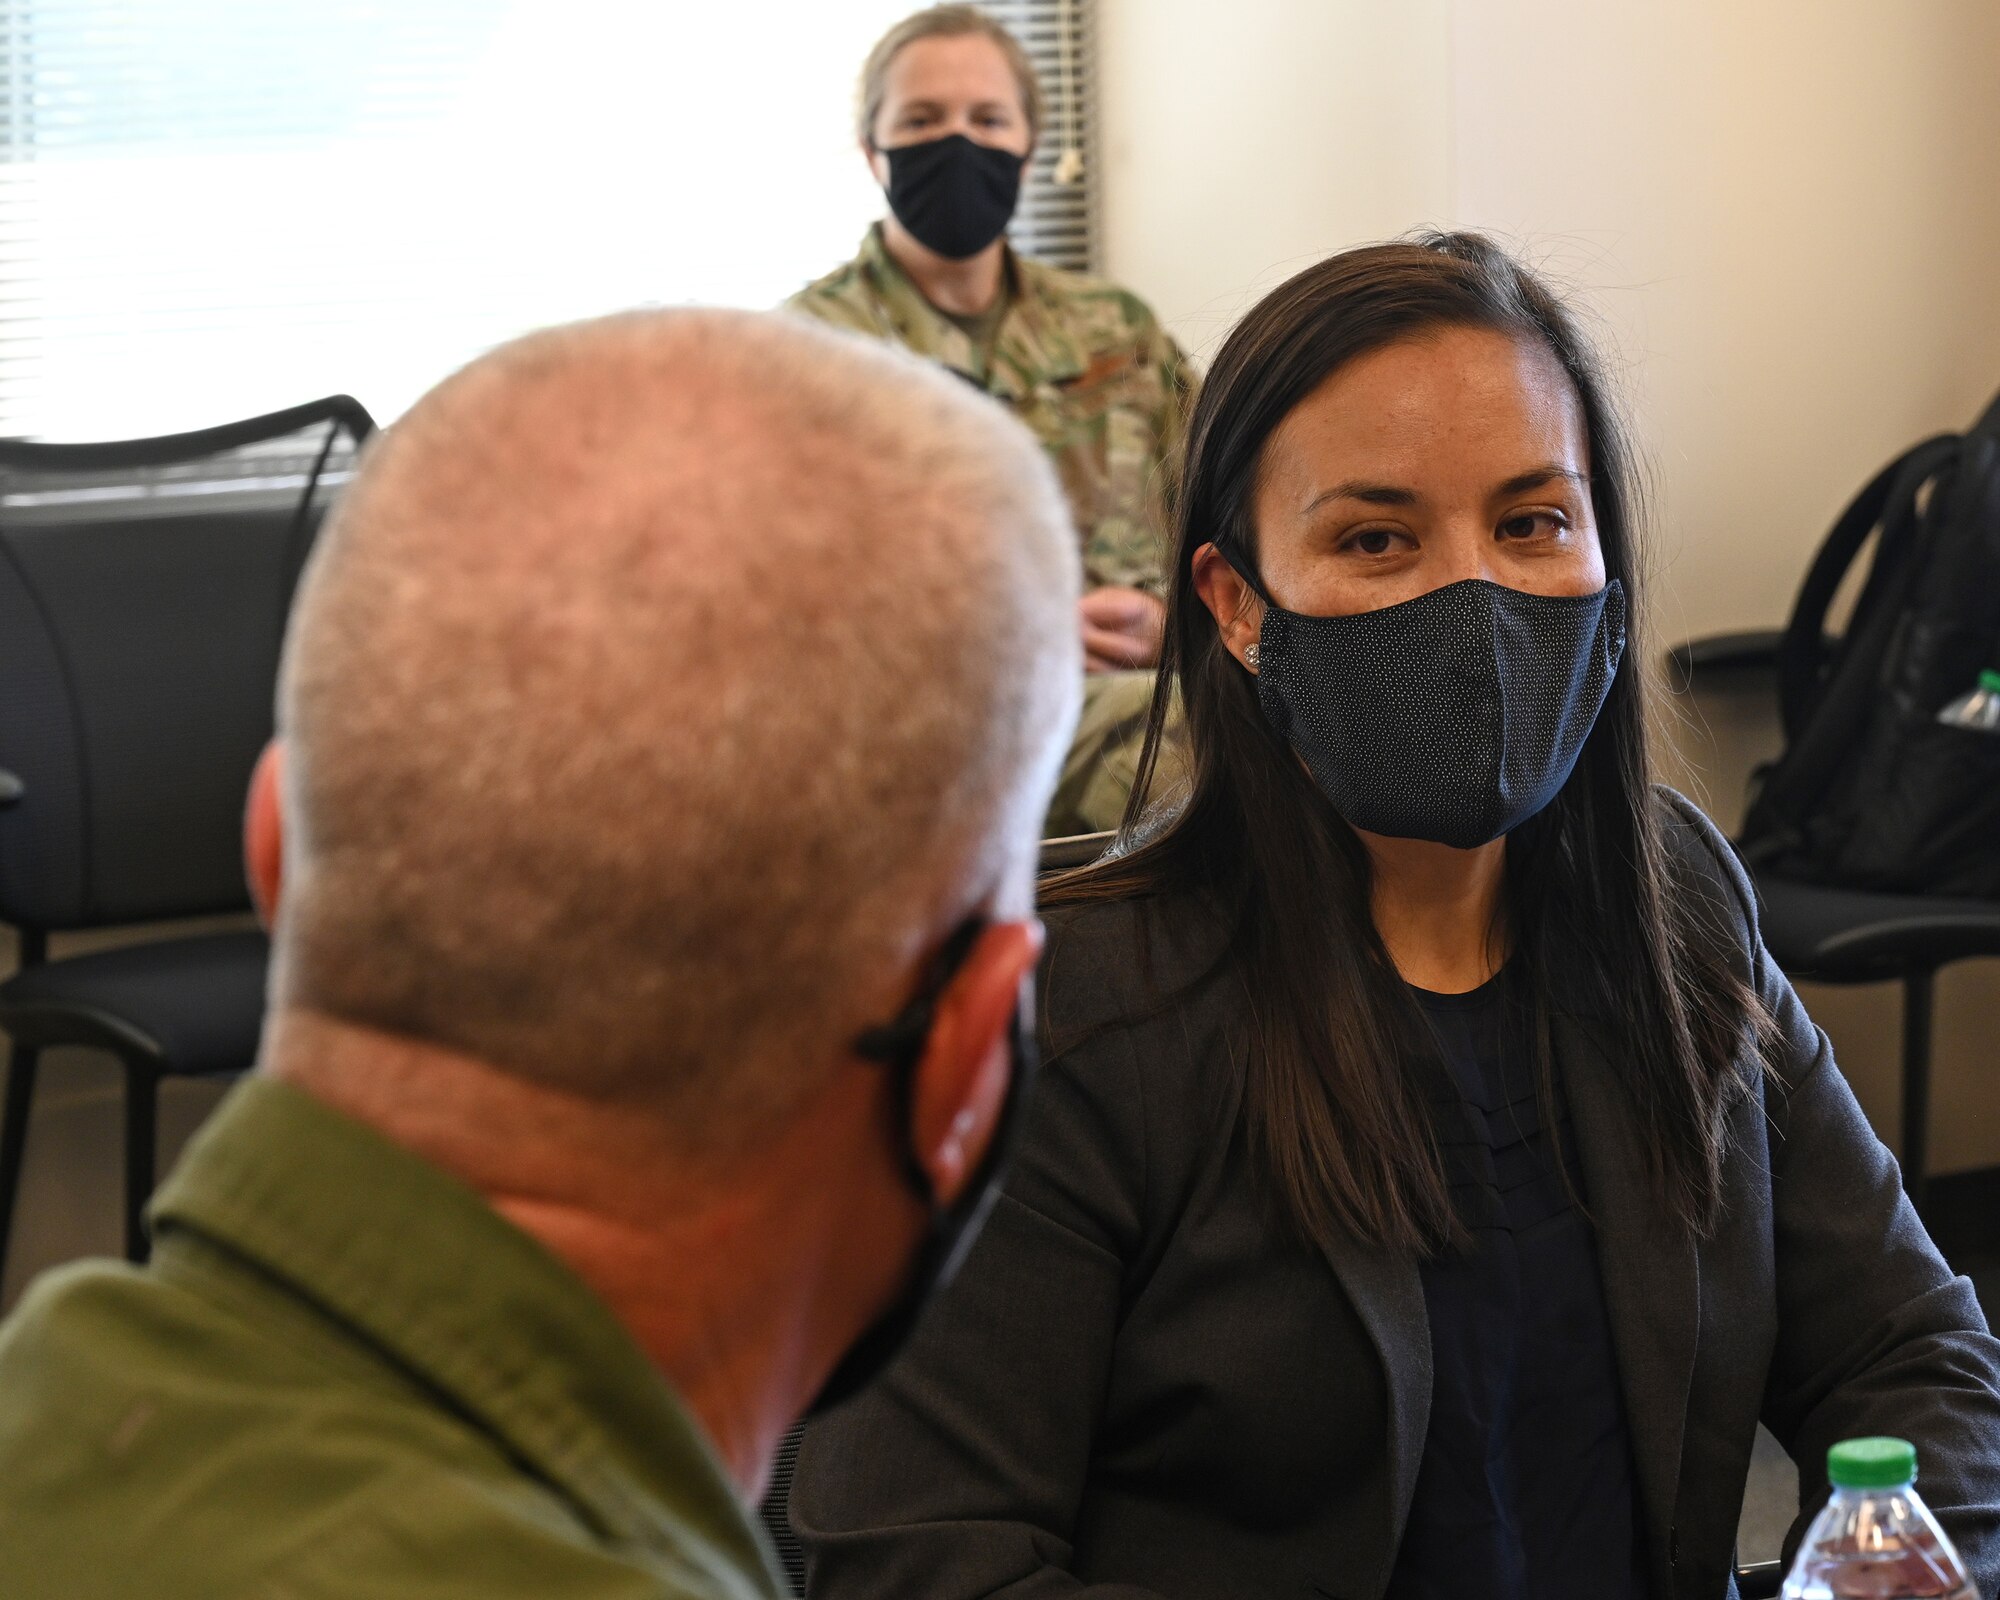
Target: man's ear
x=962, y=1081
x=264, y=833
x=1237, y=608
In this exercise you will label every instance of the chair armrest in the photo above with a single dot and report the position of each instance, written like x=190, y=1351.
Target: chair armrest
x=1860, y=936
x=1727, y=653
x=1694, y=659
x=1076, y=850
x=11, y=789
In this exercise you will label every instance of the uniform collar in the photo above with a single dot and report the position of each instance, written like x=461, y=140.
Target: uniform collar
x=1032, y=346
x=406, y=1259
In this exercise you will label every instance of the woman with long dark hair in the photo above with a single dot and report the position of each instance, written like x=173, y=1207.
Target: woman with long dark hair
x=1433, y=1183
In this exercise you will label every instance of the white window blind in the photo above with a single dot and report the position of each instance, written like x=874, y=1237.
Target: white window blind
x=1057, y=221
x=212, y=208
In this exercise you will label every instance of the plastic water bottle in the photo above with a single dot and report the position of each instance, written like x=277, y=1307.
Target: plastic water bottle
x=1876, y=1540
x=1978, y=708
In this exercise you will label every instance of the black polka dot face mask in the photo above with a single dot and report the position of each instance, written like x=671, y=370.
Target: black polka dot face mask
x=1455, y=716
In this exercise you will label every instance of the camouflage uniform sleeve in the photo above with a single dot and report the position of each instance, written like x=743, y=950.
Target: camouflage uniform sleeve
x=1144, y=545
x=1177, y=387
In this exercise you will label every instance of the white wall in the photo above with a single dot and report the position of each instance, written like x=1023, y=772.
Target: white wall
x=1244, y=141
x=1785, y=215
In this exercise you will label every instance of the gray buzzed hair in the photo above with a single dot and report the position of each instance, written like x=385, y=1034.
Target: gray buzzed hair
x=661, y=690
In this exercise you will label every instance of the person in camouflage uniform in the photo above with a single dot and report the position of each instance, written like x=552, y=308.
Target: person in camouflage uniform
x=1083, y=363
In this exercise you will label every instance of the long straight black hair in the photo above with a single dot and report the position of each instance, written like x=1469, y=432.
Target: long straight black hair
x=1599, y=925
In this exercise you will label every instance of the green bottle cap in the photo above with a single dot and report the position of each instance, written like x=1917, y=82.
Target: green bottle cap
x=1989, y=680
x=1872, y=1464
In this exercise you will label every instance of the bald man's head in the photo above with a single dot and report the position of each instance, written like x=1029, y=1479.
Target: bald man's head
x=663, y=686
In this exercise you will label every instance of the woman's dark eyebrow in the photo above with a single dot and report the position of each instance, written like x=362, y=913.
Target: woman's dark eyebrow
x=1385, y=494
x=1376, y=494
x=1535, y=477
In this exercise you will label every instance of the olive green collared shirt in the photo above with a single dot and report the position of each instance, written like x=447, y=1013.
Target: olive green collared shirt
x=344, y=1374
x=1084, y=363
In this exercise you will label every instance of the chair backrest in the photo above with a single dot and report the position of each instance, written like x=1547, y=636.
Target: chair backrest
x=143, y=592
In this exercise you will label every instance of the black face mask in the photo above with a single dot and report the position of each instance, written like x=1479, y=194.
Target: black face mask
x=899, y=1046
x=954, y=194
x=1455, y=716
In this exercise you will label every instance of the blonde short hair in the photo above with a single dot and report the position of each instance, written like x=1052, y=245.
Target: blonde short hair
x=942, y=22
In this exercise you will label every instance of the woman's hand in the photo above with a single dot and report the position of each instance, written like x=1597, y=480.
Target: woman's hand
x=1121, y=628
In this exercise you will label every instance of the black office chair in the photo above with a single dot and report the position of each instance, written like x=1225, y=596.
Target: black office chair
x=1921, y=617
x=1851, y=936
x=143, y=592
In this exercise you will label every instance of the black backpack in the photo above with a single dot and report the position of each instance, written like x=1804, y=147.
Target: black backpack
x=1872, y=791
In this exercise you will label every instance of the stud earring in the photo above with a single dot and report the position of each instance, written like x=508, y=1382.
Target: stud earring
x=1250, y=657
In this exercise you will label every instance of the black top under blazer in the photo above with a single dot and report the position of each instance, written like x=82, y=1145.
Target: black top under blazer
x=1140, y=1387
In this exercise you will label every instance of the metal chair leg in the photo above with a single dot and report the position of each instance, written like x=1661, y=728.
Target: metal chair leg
x=142, y=1106
x=21, y=1066
x=1919, y=998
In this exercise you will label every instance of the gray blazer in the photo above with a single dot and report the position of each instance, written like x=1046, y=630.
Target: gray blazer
x=1139, y=1388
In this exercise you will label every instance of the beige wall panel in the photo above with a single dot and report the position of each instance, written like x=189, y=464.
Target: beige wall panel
x=1243, y=142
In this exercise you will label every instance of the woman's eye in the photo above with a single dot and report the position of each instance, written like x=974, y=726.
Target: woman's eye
x=1531, y=524
x=1373, y=541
